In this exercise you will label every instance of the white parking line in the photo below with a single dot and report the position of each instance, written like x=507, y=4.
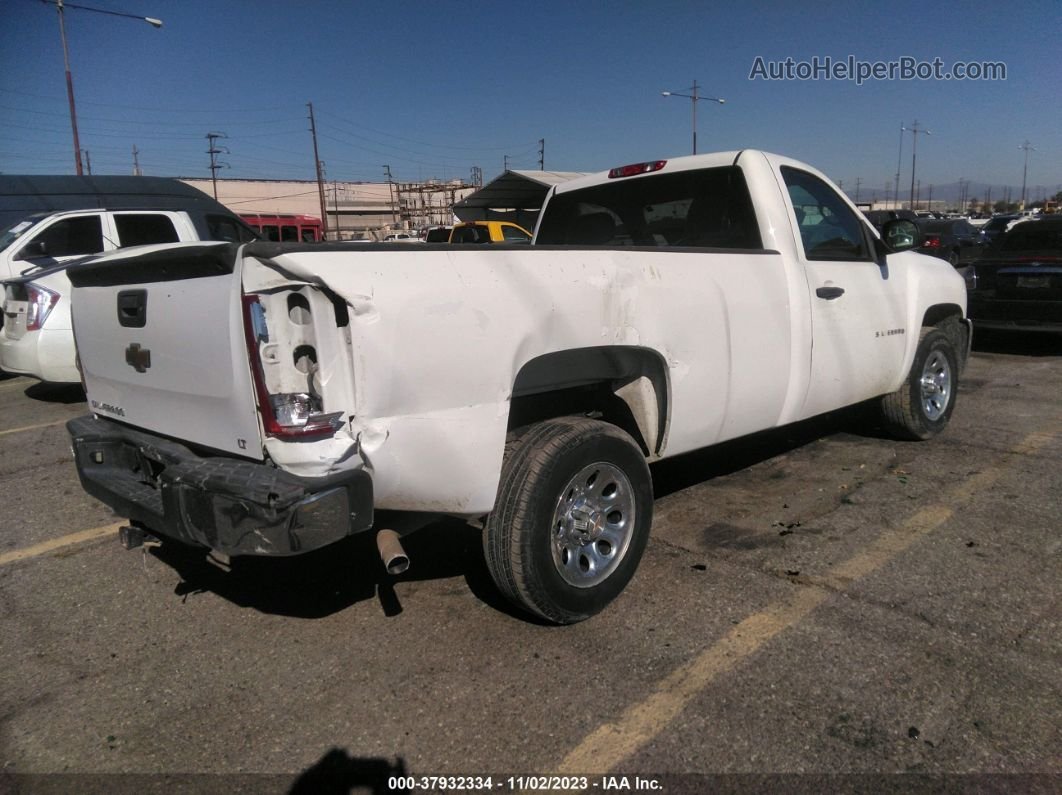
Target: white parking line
x=53, y=544
x=16, y=384
x=32, y=427
x=614, y=742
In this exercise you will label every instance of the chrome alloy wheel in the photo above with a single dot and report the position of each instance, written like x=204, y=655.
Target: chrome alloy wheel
x=592, y=525
x=935, y=385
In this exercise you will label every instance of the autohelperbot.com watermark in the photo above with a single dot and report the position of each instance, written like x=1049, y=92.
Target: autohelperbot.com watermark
x=860, y=71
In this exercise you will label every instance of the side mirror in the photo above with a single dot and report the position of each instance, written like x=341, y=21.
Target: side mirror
x=901, y=234
x=32, y=250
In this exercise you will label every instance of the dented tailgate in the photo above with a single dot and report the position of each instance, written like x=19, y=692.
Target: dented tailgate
x=162, y=346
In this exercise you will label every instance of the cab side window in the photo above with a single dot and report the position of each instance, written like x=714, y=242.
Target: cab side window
x=829, y=229
x=513, y=235
x=222, y=227
x=142, y=229
x=70, y=237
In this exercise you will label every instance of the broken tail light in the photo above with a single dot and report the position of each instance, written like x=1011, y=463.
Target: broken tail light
x=285, y=415
x=41, y=302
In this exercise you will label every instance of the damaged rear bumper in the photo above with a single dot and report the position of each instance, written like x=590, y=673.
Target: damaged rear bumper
x=234, y=507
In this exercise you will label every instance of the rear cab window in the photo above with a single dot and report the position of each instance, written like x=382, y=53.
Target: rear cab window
x=704, y=208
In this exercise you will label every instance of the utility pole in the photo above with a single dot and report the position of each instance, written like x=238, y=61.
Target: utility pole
x=136, y=163
x=918, y=195
x=1025, y=171
x=541, y=154
x=859, y=181
x=320, y=177
x=476, y=176
x=88, y=161
x=899, y=160
x=391, y=192
x=915, y=130
x=505, y=162
x=70, y=90
x=214, y=151
x=930, y=204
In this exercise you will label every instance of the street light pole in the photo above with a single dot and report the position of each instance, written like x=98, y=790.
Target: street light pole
x=914, y=152
x=1025, y=171
x=694, y=98
x=60, y=6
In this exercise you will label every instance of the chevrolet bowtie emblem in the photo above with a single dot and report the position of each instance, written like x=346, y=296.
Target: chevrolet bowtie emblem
x=138, y=358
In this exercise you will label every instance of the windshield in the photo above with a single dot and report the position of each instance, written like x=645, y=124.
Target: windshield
x=17, y=229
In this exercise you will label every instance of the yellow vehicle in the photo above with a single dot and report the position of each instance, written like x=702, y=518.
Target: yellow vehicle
x=489, y=232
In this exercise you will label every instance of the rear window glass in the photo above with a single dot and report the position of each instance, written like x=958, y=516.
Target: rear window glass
x=141, y=229
x=1034, y=236
x=470, y=234
x=704, y=208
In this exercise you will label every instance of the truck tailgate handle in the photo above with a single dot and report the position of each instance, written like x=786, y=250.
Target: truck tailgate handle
x=829, y=293
x=132, y=308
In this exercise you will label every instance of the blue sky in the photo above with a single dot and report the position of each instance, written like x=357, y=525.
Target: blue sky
x=433, y=89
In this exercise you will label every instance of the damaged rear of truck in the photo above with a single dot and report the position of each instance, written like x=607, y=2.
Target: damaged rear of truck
x=272, y=399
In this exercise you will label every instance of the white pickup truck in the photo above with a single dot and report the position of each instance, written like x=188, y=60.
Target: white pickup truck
x=266, y=399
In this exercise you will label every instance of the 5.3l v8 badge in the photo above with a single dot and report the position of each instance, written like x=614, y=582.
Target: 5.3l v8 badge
x=138, y=358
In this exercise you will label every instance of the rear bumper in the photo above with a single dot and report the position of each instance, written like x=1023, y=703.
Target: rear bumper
x=46, y=354
x=232, y=506
x=1027, y=315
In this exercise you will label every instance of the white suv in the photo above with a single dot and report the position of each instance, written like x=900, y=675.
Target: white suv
x=37, y=338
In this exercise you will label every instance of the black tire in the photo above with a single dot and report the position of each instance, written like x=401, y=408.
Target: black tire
x=921, y=408
x=572, y=518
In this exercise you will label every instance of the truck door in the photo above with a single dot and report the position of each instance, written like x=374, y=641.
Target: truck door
x=858, y=306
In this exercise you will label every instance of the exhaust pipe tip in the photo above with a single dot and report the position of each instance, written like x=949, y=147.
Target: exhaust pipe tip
x=393, y=555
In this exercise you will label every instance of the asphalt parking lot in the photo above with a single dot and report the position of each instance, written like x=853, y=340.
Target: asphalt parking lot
x=818, y=600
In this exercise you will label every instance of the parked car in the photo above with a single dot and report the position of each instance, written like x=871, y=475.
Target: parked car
x=477, y=232
x=438, y=234
x=403, y=237
x=880, y=217
x=37, y=339
x=278, y=398
x=997, y=225
x=1018, y=284
x=956, y=241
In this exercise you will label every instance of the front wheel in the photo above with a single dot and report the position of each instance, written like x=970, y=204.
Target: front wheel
x=921, y=408
x=571, y=520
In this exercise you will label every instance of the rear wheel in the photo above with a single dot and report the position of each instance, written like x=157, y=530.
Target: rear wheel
x=572, y=518
x=921, y=408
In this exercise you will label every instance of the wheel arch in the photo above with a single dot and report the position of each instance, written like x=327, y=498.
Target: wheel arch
x=950, y=318
x=624, y=385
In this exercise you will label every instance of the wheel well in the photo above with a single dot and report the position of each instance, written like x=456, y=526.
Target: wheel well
x=947, y=318
x=622, y=385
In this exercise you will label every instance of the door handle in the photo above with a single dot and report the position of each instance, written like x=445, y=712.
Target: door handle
x=829, y=293
x=132, y=308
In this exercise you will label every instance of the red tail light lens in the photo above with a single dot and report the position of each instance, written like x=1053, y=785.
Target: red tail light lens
x=287, y=415
x=637, y=168
x=931, y=242
x=41, y=303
